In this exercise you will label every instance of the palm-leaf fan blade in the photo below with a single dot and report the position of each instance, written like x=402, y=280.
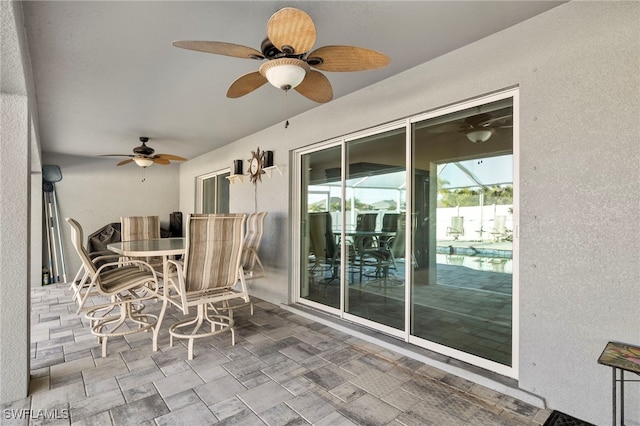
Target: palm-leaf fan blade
x=348, y=58
x=162, y=161
x=220, y=48
x=316, y=87
x=170, y=157
x=123, y=162
x=292, y=27
x=246, y=84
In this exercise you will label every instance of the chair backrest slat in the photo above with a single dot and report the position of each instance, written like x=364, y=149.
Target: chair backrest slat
x=252, y=239
x=390, y=222
x=321, y=239
x=76, y=240
x=140, y=227
x=213, y=250
x=398, y=245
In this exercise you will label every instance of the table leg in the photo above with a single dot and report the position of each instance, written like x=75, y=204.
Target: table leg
x=165, y=287
x=614, y=397
x=622, y=397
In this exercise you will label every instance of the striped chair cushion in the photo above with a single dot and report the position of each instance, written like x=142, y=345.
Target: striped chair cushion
x=214, y=247
x=140, y=227
x=255, y=229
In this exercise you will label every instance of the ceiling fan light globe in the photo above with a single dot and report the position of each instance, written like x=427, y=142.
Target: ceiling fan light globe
x=480, y=135
x=284, y=73
x=143, y=162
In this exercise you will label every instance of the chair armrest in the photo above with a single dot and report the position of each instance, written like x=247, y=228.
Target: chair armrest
x=140, y=263
x=102, y=253
x=104, y=257
x=179, y=287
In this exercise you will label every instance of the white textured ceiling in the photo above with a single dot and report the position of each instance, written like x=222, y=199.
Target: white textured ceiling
x=106, y=73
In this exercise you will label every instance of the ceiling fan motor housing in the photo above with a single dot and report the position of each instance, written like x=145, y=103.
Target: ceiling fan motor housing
x=268, y=49
x=143, y=149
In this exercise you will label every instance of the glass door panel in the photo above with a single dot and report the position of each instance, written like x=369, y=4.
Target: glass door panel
x=374, y=229
x=223, y=193
x=463, y=201
x=214, y=196
x=320, y=226
x=363, y=235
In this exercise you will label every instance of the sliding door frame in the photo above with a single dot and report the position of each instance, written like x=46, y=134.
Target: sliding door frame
x=405, y=335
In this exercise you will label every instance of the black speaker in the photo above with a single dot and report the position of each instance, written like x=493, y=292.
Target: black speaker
x=175, y=224
x=237, y=167
x=268, y=158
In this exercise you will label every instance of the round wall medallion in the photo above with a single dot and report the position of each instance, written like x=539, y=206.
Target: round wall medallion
x=255, y=166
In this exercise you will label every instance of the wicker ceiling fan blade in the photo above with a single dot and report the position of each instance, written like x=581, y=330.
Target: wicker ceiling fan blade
x=162, y=161
x=291, y=28
x=122, y=163
x=116, y=155
x=347, y=58
x=169, y=157
x=316, y=87
x=246, y=84
x=220, y=48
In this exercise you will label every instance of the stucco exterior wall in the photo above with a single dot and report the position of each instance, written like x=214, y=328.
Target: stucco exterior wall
x=16, y=141
x=14, y=250
x=576, y=67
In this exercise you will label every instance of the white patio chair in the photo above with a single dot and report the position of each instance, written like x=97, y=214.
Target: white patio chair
x=120, y=289
x=211, y=278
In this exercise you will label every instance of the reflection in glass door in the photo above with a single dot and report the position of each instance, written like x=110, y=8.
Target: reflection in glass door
x=374, y=232
x=320, y=221
x=463, y=278
x=429, y=259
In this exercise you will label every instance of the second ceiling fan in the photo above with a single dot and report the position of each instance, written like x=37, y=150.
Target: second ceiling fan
x=291, y=34
x=145, y=156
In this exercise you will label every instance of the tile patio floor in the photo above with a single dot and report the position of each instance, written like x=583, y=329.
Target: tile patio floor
x=285, y=369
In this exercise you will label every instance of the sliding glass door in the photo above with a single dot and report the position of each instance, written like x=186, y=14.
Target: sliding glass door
x=374, y=233
x=320, y=214
x=409, y=229
x=463, y=278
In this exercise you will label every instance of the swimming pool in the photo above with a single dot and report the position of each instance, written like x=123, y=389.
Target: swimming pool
x=477, y=262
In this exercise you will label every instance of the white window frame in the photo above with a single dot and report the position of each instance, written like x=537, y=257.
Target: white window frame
x=218, y=174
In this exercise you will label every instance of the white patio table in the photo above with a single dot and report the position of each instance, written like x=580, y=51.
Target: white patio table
x=164, y=247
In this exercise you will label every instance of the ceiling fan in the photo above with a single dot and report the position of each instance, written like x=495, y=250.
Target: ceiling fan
x=480, y=127
x=291, y=34
x=144, y=156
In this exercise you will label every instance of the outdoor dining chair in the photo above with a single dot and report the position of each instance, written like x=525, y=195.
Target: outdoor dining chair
x=324, y=256
x=387, y=257
x=120, y=291
x=210, y=278
x=142, y=228
x=251, y=263
x=80, y=283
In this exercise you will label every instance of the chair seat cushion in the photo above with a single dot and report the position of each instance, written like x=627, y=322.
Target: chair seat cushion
x=379, y=254
x=126, y=277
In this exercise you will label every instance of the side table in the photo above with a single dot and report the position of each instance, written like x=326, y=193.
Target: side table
x=623, y=357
